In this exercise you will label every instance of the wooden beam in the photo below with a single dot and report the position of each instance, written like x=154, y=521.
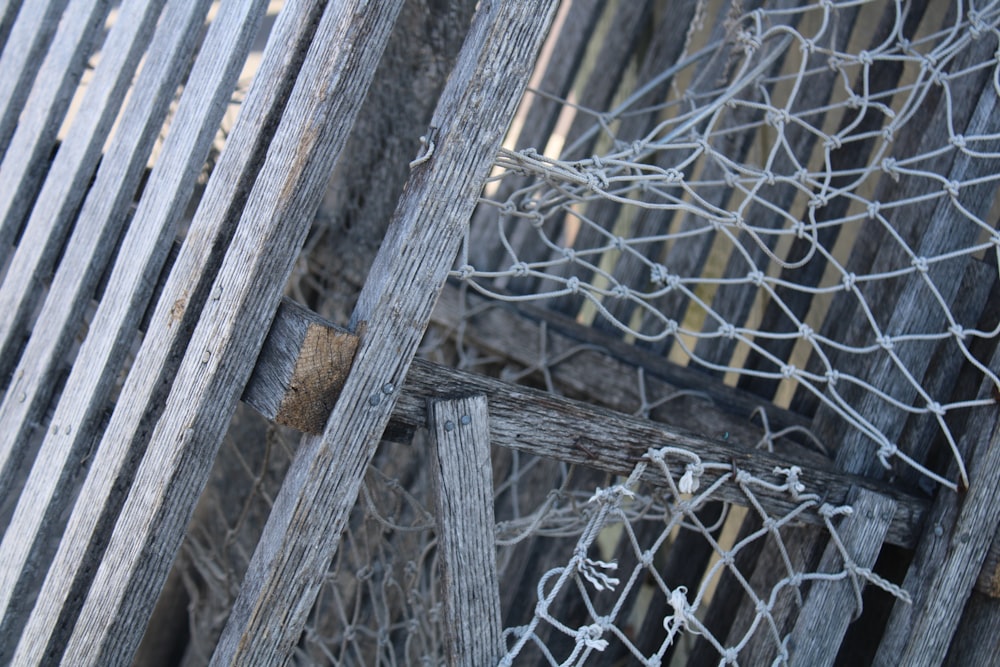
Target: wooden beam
x=301, y=369
x=460, y=430
x=305, y=524
x=575, y=432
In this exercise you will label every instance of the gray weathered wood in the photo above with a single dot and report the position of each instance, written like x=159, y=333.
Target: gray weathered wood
x=8, y=12
x=132, y=282
x=72, y=169
x=977, y=639
x=541, y=423
x=301, y=369
x=950, y=554
x=305, y=524
x=94, y=237
x=25, y=43
x=39, y=118
x=83, y=262
x=823, y=620
x=231, y=328
x=460, y=432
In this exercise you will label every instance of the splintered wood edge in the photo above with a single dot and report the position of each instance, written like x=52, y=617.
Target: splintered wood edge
x=320, y=371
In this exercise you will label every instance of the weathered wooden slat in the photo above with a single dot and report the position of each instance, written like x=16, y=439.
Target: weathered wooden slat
x=231, y=328
x=24, y=160
x=96, y=230
x=321, y=487
x=26, y=36
x=951, y=551
x=8, y=13
x=603, y=369
x=540, y=423
x=977, y=639
x=144, y=248
x=460, y=431
x=823, y=620
x=71, y=170
x=301, y=369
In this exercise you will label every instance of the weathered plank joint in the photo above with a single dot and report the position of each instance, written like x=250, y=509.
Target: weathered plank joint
x=301, y=369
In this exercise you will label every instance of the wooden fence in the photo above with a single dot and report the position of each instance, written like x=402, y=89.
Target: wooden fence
x=132, y=330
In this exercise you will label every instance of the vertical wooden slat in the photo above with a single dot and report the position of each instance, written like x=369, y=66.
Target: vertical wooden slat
x=957, y=536
x=231, y=328
x=460, y=431
x=308, y=516
x=39, y=118
x=824, y=618
x=26, y=35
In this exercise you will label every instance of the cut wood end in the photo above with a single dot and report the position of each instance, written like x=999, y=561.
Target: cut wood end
x=320, y=372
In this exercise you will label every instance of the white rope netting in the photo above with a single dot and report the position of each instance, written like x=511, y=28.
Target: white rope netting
x=799, y=204
x=616, y=599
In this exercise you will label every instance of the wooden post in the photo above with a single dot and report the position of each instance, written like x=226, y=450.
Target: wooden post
x=303, y=530
x=957, y=536
x=460, y=431
x=824, y=618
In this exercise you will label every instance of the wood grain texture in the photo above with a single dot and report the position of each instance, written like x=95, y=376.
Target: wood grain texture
x=301, y=369
x=321, y=486
x=460, y=432
x=73, y=168
x=93, y=240
x=820, y=627
x=132, y=280
x=28, y=36
x=541, y=423
x=44, y=496
x=38, y=118
x=231, y=329
x=951, y=551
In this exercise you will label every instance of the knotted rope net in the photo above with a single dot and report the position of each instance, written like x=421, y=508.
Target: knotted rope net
x=799, y=200
x=797, y=203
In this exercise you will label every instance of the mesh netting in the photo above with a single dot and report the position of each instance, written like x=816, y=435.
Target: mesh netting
x=728, y=211
x=800, y=201
x=635, y=606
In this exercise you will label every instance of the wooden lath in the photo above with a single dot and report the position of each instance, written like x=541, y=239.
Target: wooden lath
x=203, y=345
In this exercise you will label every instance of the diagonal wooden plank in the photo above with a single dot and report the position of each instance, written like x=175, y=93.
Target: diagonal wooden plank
x=460, y=429
x=113, y=462
x=951, y=551
x=30, y=33
x=73, y=427
x=74, y=164
x=314, y=126
x=37, y=121
x=321, y=486
x=8, y=13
